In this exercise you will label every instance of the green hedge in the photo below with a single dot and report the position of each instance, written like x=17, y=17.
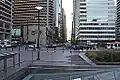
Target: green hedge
x=104, y=56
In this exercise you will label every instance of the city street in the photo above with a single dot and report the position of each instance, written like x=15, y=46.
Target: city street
x=38, y=33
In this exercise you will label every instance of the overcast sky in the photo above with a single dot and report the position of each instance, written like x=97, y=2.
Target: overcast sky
x=68, y=6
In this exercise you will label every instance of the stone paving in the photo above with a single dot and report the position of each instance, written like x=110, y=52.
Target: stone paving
x=52, y=57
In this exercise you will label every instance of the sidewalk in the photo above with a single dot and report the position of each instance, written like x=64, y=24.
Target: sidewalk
x=56, y=58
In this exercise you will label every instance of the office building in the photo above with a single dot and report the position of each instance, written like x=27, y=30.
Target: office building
x=118, y=21
x=62, y=24
x=26, y=19
x=5, y=19
x=63, y=30
x=94, y=20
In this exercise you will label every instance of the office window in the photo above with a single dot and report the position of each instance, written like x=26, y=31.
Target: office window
x=83, y=11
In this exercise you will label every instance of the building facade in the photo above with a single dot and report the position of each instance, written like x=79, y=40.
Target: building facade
x=62, y=24
x=94, y=20
x=26, y=20
x=5, y=19
x=118, y=21
x=63, y=29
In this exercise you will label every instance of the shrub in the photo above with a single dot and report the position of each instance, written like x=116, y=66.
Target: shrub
x=104, y=56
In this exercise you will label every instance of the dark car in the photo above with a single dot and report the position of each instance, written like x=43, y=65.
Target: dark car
x=14, y=44
x=50, y=46
x=76, y=47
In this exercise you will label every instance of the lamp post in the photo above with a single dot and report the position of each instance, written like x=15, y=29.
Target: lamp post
x=38, y=42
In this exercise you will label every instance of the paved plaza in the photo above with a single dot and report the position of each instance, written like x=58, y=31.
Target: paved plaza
x=54, y=57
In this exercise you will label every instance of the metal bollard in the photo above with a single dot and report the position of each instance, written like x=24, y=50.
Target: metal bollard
x=5, y=64
x=33, y=53
x=12, y=48
x=32, y=56
x=19, y=57
x=25, y=48
x=19, y=48
x=70, y=50
x=50, y=58
x=47, y=49
x=38, y=54
x=71, y=56
x=63, y=49
x=13, y=60
x=6, y=48
x=55, y=49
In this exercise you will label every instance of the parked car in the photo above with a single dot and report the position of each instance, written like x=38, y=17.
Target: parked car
x=2, y=45
x=32, y=45
x=51, y=46
x=14, y=43
x=5, y=43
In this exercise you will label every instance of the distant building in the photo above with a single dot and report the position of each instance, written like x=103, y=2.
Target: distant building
x=5, y=19
x=94, y=20
x=26, y=19
x=64, y=29
x=62, y=24
x=56, y=38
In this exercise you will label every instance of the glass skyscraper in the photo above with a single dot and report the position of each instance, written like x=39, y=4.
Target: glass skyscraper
x=95, y=20
x=118, y=21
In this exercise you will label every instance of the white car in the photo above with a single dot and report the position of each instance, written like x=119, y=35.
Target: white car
x=5, y=43
x=2, y=44
x=8, y=45
x=32, y=45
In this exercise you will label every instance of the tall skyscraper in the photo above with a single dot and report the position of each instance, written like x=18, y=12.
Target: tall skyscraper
x=58, y=22
x=118, y=21
x=63, y=30
x=58, y=11
x=26, y=19
x=5, y=19
x=94, y=20
x=62, y=24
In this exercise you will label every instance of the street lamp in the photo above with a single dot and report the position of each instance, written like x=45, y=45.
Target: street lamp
x=38, y=42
